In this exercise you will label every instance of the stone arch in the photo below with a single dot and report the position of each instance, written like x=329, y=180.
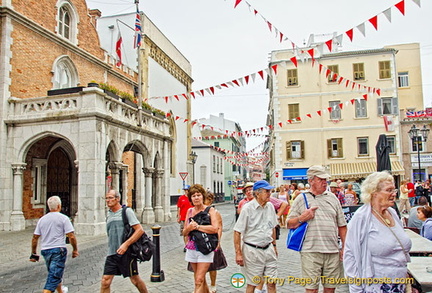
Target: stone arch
x=69, y=7
x=64, y=72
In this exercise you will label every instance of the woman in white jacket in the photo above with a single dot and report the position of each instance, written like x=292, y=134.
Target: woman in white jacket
x=376, y=248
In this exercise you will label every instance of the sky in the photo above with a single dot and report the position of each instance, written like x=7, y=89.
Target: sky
x=223, y=43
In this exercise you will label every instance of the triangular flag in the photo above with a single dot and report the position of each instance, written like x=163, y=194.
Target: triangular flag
x=401, y=6
x=309, y=115
x=236, y=82
x=374, y=21
x=341, y=106
x=280, y=124
x=176, y=97
x=330, y=109
x=387, y=14
x=319, y=112
x=185, y=96
x=208, y=91
x=350, y=34
x=361, y=28
x=320, y=68
x=328, y=71
x=192, y=94
x=269, y=25
x=365, y=96
x=329, y=44
x=253, y=75
x=212, y=90
x=352, y=101
x=274, y=67
x=247, y=79
x=261, y=73
x=237, y=3
x=201, y=92
x=417, y=2
x=255, y=11
x=224, y=84
x=311, y=53
x=294, y=61
x=378, y=91
x=280, y=37
x=298, y=118
x=166, y=99
x=340, y=79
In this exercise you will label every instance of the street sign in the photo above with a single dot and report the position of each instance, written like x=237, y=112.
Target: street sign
x=183, y=175
x=229, y=182
x=277, y=174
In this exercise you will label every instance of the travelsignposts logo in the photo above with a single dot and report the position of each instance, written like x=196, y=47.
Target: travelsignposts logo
x=237, y=280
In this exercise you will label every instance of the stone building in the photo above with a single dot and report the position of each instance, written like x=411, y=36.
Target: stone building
x=62, y=135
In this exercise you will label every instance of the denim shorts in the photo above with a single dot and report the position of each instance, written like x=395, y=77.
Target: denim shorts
x=55, y=259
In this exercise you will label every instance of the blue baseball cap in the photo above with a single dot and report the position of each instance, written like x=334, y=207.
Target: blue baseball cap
x=186, y=187
x=262, y=184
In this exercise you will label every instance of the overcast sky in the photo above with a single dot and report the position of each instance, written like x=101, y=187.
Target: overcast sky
x=223, y=43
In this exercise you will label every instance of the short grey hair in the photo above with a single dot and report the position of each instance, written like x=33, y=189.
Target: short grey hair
x=53, y=202
x=116, y=193
x=373, y=183
x=256, y=192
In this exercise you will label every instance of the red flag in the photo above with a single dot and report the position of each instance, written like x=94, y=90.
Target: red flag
x=118, y=49
x=352, y=101
x=309, y=115
x=255, y=11
x=340, y=80
x=274, y=67
x=330, y=109
x=261, y=73
x=294, y=61
x=247, y=79
x=328, y=72
x=378, y=91
x=212, y=90
x=236, y=82
x=365, y=96
x=319, y=112
x=176, y=97
x=298, y=119
x=185, y=96
x=280, y=124
x=166, y=99
x=192, y=94
x=374, y=21
x=350, y=34
x=320, y=68
x=269, y=25
x=280, y=37
x=341, y=106
x=311, y=53
x=237, y=3
x=224, y=84
x=329, y=44
x=401, y=6
x=201, y=92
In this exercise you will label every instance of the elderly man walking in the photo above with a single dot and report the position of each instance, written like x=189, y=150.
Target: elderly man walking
x=255, y=238
x=320, y=254
x=52, y=229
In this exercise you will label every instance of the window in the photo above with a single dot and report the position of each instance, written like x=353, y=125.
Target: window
x=64, y=22
x=295, y=149
x=292, y=77
x=361, y=108
x=384, y=69
x=358, y=71
x=293, y=111
x=214, y=164
x=39, y=173
x=335, y=114
x=334, y=148
x=403, y=79
x=417, y=141
x=334, y=70
x=363, y=146
x=387, y=106
x=65, y=74
x=216, y=144
x=391, y=139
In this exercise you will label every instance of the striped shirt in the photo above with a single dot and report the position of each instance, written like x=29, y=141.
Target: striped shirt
x=322, y=233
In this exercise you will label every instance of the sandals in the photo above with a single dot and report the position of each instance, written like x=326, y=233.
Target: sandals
x=213, y=289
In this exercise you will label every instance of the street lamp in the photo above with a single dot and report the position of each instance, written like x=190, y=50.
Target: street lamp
x=417, y=137
x=193, y=157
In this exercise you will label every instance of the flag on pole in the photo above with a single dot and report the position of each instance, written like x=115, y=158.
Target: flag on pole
x=118, y=49
x=137, y=39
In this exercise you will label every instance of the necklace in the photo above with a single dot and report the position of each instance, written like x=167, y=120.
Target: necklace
x=385, y=220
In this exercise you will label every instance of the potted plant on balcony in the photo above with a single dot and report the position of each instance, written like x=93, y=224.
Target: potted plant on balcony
x=146, y=108
x=110, y=90
x=128, y=99
x=158, y=113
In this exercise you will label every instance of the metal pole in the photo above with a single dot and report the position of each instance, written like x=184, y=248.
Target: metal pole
x=418, y=139
x=157, y=274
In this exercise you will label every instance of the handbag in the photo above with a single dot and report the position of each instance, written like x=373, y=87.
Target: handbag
x=205, y=243
x=297, y=235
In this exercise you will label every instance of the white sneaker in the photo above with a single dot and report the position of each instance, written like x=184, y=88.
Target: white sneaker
x=65, y=289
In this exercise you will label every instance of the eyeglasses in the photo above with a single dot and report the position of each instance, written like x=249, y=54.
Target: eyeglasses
x=391, y=191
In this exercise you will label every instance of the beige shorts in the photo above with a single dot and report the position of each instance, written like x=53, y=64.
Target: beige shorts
x=259, y=262
x=318, y=267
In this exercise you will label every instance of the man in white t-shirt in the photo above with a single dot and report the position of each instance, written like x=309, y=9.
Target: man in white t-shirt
x=52, y=229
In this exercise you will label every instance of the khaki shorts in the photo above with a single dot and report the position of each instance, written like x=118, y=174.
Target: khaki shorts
x=259, y=262
x=318, y=266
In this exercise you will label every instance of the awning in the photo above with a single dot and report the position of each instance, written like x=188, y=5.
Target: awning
x=360, y=170
x=294, y=174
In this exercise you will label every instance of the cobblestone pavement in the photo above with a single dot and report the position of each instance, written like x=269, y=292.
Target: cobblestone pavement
x=83, y=274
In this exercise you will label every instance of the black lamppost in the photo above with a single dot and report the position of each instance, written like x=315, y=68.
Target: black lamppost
x=417, y=137
x=193, y=157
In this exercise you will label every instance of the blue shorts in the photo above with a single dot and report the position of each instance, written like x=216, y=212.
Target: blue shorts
x=55, y=259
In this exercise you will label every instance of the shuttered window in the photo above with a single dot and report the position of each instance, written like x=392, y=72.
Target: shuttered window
x=334, y=70
x=292, y=77
x=384, y=69
x=358, y=71
x=334, y=148
x=295, y=149
x=361, y=108
x=293, y=111
x=387, y=106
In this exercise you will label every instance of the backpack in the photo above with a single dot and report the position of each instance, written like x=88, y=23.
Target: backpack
x=205, y=243
x=419, y=190
x=143, y=248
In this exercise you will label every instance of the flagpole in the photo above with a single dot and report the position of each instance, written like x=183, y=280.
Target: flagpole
x=140, y=99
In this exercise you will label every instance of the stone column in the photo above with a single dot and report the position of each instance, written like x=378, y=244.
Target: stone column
x=17, y=219
x=114, y=168
x=159, y=213
x=166, y=180
x=124, y=179
x=148, y=216
x=139, y=185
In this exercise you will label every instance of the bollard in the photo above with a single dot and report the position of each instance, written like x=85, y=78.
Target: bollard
x=157, y=274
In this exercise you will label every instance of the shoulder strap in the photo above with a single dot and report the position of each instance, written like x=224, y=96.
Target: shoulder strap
x=124, y=217
x=207, y=209
x=305, y=200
